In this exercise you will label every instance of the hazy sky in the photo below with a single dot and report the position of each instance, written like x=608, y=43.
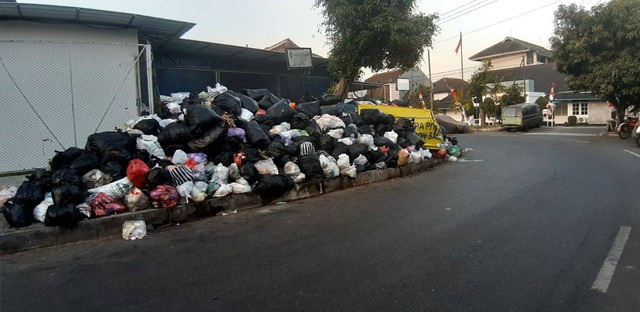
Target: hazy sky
x=260, y=23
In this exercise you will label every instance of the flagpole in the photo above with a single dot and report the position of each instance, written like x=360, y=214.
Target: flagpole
x=430, y=81
x=461, y=59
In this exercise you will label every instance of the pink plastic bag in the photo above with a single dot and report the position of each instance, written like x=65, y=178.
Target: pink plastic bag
x=104, y=204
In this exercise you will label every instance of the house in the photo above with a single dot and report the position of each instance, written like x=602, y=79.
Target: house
x=389, y=80
x=532, y=67
x=69, y=72
x=443, y=98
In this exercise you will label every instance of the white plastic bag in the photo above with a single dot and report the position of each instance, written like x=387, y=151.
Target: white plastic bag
x=346, y=141
x=40, y=212
x=283, y=127
x=6, y=193
x=174, y=107
x=197, y=195
x=246, y=115
x=336, y=133
x=223, y=190
x=416, y=157
x=179, y=157
x=391, y=135
x=220, y=174
x=132, y=230
x=293, y=133
x=329, y=167
x=118, y=189
x=343, y=161
x=185, y=189
x=166, y=122
x=425, y=153
x=180, y=95
x=266, y=167
x=215, y=91
x=150, y=144
x=350, y=171
x=452, y=158
x=360, y=160
x=241, y=186
x=234, y=172
x=328, y=122
x=291, y=169
x=366, y=139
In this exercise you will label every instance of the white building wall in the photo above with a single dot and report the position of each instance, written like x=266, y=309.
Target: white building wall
x=507, y=61
x=54, y=76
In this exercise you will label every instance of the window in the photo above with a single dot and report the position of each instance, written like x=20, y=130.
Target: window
x=530, y=57
x=580, y=109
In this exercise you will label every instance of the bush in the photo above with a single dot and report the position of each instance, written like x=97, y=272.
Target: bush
x=573, y=120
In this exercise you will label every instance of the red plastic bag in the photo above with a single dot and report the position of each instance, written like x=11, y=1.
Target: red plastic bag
x=104, y=204
x=137, y=172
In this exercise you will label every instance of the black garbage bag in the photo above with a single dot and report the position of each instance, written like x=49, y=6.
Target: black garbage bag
x=280, y=112
x=200, y=118
x=258, y=94
x=392, y=160
x=366, y=129
x=360, y=168
x=404, y=125
x=248, y=103
x=174, y=133
x=142, y=155
x=277, y=149
x=17, y=213
x=43, y=178
x=357, y=120
x=414, y=139
x=171, y=149
x=65, y=215
x=356, y=150
x=272, y=186
x=402, y=142
x=301, y=139
x=327, y=143
x=67, y=193
x=215, y=136
x=401, y=103
x=249, y=172
x=330, y=109
x=251, y=153
x=346, y=118
x=313, y=129
x=382, y=141
x=299, y=121
x=380, y=129
x=307, y=98
x=30, y=193
x=350, y=108
x=372, y=116
x=65, y=158
x=389, y=119
x=148, y=126
x=85, y=163
x=310, y=166
x=311, y=109
x=114, y=169
x=369, y=166
x=376, y=156
x=69, y=176
x=111, y=145
x=329, y=99
x=255, y=135
x=350, y=131
x=158, y=176
x=263, y=119
x=228, y=103
x=224, y=156
x=265, y=103
x=340, y=149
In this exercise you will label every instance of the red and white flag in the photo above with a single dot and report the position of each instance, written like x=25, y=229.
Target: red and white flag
x=552, y=93
x=459, y=46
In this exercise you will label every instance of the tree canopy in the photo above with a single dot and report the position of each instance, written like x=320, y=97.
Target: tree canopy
x=599, y=50
x=374, y=34
x=485, y=84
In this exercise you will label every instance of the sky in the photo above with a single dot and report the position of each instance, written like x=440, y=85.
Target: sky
x=261, y=23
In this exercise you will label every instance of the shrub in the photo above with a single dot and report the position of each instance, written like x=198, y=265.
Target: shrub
x=573, y=120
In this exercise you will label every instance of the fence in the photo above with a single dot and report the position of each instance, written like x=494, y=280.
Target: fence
x=55, y=94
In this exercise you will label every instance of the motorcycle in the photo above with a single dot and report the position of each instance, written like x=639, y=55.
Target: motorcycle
x=627, y=128
x=636, y=134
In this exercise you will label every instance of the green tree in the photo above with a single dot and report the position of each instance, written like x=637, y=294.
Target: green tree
x=513, y=95
x=599, y=50
x=373, y=34
x=542, y=102
x=484, y=85
x=413, y=96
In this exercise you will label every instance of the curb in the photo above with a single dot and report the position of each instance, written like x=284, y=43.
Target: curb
x=38, y=235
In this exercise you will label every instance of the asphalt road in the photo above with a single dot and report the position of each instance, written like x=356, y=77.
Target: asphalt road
x=524, y=225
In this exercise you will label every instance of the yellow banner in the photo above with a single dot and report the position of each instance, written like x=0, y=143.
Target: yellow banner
x=426, y=126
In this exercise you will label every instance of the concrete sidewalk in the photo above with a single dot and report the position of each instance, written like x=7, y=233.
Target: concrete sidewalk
x=37, y=235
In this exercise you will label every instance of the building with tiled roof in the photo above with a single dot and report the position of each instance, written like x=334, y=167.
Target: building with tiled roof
x=388, y=92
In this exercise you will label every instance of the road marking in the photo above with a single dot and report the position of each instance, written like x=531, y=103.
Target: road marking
x=578, y=141
x=609, y=266
x=632, y=153
x=469, y=160
x=563, y=134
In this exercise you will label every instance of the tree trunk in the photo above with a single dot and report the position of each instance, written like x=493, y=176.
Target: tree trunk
x=343, y=87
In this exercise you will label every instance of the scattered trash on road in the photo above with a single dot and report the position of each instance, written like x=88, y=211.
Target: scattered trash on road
x=132, y=230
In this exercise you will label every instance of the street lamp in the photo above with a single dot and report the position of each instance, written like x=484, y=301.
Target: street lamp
x=477, y=106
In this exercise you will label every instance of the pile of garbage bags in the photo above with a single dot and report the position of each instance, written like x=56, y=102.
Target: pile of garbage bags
x=213, y=144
